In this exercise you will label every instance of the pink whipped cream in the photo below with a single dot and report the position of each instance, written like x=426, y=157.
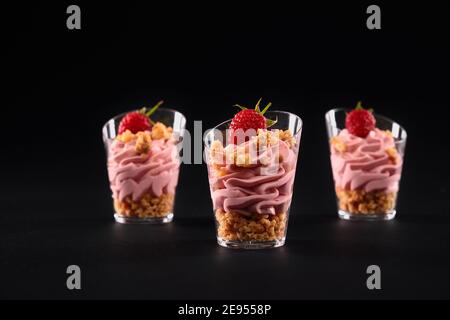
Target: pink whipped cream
x=365, y=163
x=264, y=187
x=155, y=172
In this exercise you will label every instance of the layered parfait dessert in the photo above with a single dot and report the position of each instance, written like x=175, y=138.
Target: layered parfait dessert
x=143, y=167
x=251, y=176
x=366, y=165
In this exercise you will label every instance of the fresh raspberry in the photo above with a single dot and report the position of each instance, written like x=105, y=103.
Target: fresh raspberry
x=138, y=120
x=135, y=122
x=247, y=119
x=360, y=121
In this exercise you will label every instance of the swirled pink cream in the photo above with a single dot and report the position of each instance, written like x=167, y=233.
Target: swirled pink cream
x=133, y=174
x=262, y=186
x=370, y=163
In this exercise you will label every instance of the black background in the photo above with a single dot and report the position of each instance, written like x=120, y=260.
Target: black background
x=62, y=85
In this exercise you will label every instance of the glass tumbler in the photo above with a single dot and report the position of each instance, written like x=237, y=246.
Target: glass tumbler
x=251, y=181
x=366, y=171
x=143, y=167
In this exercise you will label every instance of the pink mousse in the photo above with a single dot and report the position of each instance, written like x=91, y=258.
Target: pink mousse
x=365, y=164
x=260, y=188
x=134, y=175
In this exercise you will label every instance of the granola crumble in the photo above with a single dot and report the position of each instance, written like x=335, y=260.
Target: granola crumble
x=363, y=202
x=146, y=207
x=253, y=227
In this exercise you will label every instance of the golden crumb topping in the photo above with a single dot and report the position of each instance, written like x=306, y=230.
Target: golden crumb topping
x=242, y=155
x=160, y=131
x=143, y=139
x=216, y=149
x=392, y=154
x=126, y=137
x=338, y=144
x=288, y=138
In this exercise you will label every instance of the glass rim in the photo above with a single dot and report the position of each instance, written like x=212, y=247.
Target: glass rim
x=272, y=111
x=376, y=115
x=124, y=113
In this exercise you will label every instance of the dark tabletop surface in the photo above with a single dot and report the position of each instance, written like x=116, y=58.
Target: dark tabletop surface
x=55, y=203
x=324, y=257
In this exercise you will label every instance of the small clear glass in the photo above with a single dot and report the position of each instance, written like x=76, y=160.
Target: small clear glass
x=144, y=184
x=366, y=171
x=251, y=199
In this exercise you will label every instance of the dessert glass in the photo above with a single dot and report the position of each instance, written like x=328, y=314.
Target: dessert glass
x=251, y=182
x=143, y=168
x=366, y=171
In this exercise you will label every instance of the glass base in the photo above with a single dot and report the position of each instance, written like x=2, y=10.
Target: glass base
x=236, y=244
x=151, y=220
x=366, y=217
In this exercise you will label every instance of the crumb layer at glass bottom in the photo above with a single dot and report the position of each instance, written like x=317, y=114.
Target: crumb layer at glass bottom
x=362, y=205
x=251, y=231
x=147, y=209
